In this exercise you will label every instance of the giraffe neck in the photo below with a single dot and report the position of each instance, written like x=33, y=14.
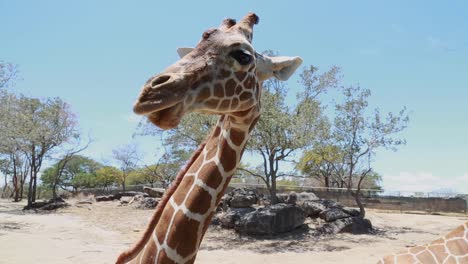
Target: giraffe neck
x=188, y=212
x=451, y=248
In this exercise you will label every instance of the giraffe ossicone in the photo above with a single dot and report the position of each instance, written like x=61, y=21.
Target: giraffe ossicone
x=222, y=75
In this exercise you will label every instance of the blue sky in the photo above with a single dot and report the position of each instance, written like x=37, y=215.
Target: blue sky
x=97, y=54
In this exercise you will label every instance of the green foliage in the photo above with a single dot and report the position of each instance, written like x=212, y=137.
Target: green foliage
x=79, y=172
x=107, y=176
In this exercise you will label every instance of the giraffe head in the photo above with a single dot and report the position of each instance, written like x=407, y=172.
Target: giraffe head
x=221, y=75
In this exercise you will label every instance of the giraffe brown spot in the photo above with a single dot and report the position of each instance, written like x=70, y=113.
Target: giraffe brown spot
x=245, y=95
x=150, y=253
x=407, y=258
x=222, y=74
x=239, y=89
x=206, y=78
x=230, y=87
x=218, y=90
x=163, y=223
x=195, y=85
x=237, y=136
x=225, y=104
x=439, y=252
x=212, y=103
x=249, y=83
x=204, y=93
x=234, y=103
x=216, y=132
x=426, y=257
x=196, y=165
x=181, y=192
x=198, y=201
x=163, y=258
x=223, y=190
x=457, y=232
x=211, y=151
x=457, y=247
x=251, y=68
x=416, y=250
x=240, y=75
x=183, y=234
x=452, y=260
x=210, y=175
x=229, y=159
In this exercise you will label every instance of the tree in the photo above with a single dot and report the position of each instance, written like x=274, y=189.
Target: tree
x=127, y=158
x=8, y=74
x=319, y=162
x=356, y=135
x=47, y=124
x=71, y=172
x=283, y=130
x=107, y=176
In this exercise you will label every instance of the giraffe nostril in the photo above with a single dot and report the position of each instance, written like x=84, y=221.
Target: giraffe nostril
x=160, y=80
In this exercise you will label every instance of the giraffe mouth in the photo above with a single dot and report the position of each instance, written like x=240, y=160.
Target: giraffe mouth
x=167, y=118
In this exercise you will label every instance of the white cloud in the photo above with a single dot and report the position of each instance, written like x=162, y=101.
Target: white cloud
x=424, y=182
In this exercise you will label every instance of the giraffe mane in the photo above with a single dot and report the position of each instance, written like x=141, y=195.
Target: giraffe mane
x=133, y=252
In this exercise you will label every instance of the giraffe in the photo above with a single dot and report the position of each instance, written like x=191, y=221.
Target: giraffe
x=222, y=75
x=451, y=248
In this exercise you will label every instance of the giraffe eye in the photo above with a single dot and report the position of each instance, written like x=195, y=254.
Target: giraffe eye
x=241, y=56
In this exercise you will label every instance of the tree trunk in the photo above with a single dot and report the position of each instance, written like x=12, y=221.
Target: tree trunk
x=357, y=198
x=274, y=198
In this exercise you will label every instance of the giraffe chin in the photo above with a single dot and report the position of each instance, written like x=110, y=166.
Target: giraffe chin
x=167, y=118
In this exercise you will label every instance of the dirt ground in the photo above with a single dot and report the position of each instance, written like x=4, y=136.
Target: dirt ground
x=97, y=233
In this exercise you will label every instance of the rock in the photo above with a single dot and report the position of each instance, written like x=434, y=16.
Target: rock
x=271, y=220
x=126, y=199
x=56, y=200
x=354, y=225
x=351, y=211
x=37, y=204
x=232, y=216
x=306, y=196
x=289, y=198
x=329, y=203
x=85, y=201
x=54, y=206
x=241, y=198
x=104, y=198
x=333, y=214
x=129, y=194
x=147, y=203
x=154, y=192
x=312, y=208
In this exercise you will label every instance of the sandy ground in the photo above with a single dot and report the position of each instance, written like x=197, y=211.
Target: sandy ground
x=97, y=233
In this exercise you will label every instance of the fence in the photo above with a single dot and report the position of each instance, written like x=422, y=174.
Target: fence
x=400, y=201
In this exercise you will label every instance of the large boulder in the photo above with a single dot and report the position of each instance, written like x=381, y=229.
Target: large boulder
x=354, y=225
x=275, y=219
x=146, y=202
x=333, y=214
x=241, y=198
x=126, y=199
x=306, y=196
x=154, y=192
x=230, y=218
x=288, y=198
x=312, y=208
x=119, y=195
x=104, y=198
x=330, y=203
x=54, y=206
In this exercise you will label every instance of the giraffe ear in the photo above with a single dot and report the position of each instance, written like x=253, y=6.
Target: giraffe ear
x=284, y=67
x=279, y=67
x=183, y=51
